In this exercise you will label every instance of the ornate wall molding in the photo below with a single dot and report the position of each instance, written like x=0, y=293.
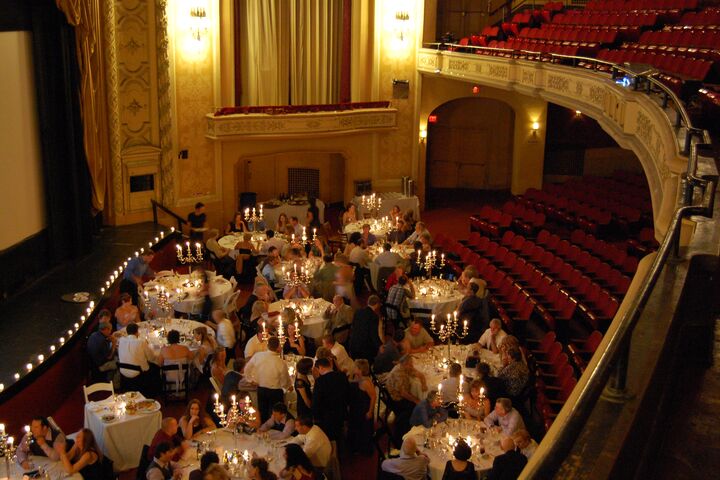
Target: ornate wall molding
x=635, y=121
x=111, y=74
x=251, y=125
x=167, y=176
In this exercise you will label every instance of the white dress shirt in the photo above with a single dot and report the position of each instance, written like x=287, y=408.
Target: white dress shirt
x=485, y=340
x=360, y=256
x=387, y=259
x=254, y=345
x=134, y=351
x=316, y=446
x=344, y=362
x=278, y=243
x=225, y=333
x=268, y=370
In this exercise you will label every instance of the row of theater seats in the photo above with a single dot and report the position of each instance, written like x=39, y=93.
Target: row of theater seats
x=622, y=5
x=495, y=222
x=612, y=19
x=627, y=202
x=691, y=37
x=542, y=46
x=570, y=35
x=680, y=66
x=706, y=17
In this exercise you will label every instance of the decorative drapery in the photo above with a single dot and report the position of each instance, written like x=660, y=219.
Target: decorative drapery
x=290, y=51
x=84, y=15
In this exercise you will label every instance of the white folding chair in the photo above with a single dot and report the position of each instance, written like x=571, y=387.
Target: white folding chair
x=98, y=387
x=175, y=378
x=230, y=304
x=215, y=385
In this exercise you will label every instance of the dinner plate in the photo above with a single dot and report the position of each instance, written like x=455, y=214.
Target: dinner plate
x=154, y=408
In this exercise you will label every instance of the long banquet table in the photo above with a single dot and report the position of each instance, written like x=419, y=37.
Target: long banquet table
x=271, y=213
x=390, y=199
x=54, y=469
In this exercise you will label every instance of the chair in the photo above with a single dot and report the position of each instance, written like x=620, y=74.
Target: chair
x=175, y=381
x=143, y=464
x=131, y=383
x=332, y=469
x=215, y=386
x=230, y=304
x=98, y=387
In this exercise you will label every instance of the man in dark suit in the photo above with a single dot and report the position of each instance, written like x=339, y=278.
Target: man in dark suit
x=365, y=338
x=330, y=399
x=474, y=310
x=508, y=465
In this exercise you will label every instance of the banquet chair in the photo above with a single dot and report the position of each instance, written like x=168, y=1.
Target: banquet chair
x=131, y=384
x=144, y=463
x=230, y=305
x=98, y=387
x=215, y=386
x=175, y=379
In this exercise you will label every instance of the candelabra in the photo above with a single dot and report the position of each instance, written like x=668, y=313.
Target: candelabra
x=240, y=417
x=293, y=278
x=371, y=203
x=430, y=261
x=283, y=336
x=253, y=217
x=6, y=449
x=446, y=331
x=188, y=257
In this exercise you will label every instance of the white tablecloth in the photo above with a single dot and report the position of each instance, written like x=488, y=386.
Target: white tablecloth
x=311, y=265
x=440, y=297
x=403, y=250
x=313, y=309
x=222, y=441
x=271, y=215
x=390, y=199
x=229, y=241
x=431, y=363
x=55, y=469
x=150, y=331
x=188, y=298
x=123, y=438
x=434, y=442
x=377, y=228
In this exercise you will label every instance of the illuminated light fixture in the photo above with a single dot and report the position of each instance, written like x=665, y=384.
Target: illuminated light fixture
x=198, y=22
x=423, y=135
x=401, y=19
x=535, y=128
x=476, y=89
x=16, y=376
x=578, y=113
x=432, y=119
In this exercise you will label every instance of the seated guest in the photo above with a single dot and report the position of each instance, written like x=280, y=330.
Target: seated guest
x=313, y=441
x=525, y=443
x=272, y=241
x=460, y=468
x=260, y=470
x=84, y=457
x=514, y=374
x=295, y=223
x=350, y=214
x=137, y=268
x=475, y=310
x=416, y=261
x=303, y=387
x=133, y=350
x=324, y=278
x=342, y=359
x=428, y=411
x=236, y=225
x=415, y=236
x=398, y=296
x=330, y=399
x=245, y=250
x=299, y=290
x=297, y=464
x=270, y=374
x=101, y=346
x=426, y=242
x=163, y=466
x=255, y=344
x=476, y=402
x=451, y=385
x=42, y=441
x=126, y=313
x=360, y=259
x=411, y=464
x=361, y=409
x=494, y=386
x=294, y=344
x=216, y=472
x=173, y=350
x=224, y=332
x=194, y=421
x=218, y=367
x=225, y=257
x=395, y=276
x=364, y=338
x=282, y=222
x=168, y=434
x=311, y=222
x=388, y=354
x=207, y=459
x=417, y=339
x=368, y=237
x=387, y=258
x=258, y=316
x=337, y=315
x=492, y=337
x=281, y=423
x=510, y=464
x=207, y=346
x=399, y=388
x=505, y=418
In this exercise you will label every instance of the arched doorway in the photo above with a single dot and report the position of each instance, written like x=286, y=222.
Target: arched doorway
x=470, y=148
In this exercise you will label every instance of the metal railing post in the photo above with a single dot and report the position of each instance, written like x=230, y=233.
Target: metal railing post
x=616, y=390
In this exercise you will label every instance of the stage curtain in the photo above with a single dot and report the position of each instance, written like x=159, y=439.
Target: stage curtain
x=84, y=16
x=315, y=47
x=362, y=45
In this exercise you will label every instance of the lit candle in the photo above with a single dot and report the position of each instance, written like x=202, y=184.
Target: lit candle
x=26, y=428
x=52, y=348
x=247, y=399
x=41, y=358
x=234, y=402
x=217, y=399
x=10, y=441
x=439, y=387
x=16, y=376
x=2, y=429
x=28, y=366
x=172, y=229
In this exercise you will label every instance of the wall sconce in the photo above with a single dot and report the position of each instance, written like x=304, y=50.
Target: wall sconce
x=535, y=128
x=578, y=113
x=423, y=135
x=401, y=20
x=198, y=22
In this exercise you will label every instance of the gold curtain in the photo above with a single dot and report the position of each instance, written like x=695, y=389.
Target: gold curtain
x=84, y=15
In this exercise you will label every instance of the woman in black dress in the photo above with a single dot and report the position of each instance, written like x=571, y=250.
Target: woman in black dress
x=194, y=421
x=459, y=468
x=362, y=407
x=237, y=225
x=303, y=388
x=84, y=457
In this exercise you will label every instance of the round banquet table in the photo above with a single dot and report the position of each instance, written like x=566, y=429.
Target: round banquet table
x=229, y=241
x=188, y=299
x=435, y=443
x=222, y=441
x=379, y=229
x=152, y=331
x=432, y=363
x=310, y=264
x=373, y=251
x=313, y=309
x=438, y=297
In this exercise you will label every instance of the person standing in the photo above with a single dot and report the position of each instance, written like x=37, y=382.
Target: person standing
x=270, y=373
x=197, y=219
x=137, y=268
x=330, y=399
x=365, y=335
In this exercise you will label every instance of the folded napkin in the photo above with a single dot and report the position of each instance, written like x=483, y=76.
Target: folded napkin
x=418, y=430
